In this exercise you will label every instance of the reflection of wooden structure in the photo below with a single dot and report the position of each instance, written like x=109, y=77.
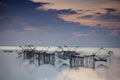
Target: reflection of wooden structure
x=8, y=51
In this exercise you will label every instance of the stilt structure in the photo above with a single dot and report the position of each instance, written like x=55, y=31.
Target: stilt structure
x=82, y=61
x=75, y=58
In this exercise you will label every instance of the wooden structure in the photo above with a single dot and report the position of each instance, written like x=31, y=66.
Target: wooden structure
x=82, y=61
x=75, y=58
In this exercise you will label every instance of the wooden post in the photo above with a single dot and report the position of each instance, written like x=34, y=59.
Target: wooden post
x=70, y=61
x=93, y=61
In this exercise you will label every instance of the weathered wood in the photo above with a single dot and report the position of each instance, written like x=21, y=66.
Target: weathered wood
x=85, y=61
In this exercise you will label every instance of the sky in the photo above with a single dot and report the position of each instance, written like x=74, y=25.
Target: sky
x=85, y=23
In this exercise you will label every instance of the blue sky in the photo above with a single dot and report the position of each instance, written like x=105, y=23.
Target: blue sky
x=85, y=23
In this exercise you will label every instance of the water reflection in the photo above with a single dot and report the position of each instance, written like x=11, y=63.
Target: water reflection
x=74, y=68
x=80, y=73
x=48, y=66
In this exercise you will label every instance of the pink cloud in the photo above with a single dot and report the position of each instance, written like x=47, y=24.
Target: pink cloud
x=88, y=7
x=95, y=5
x=94, y=21
x=27, y=27
x=79, y=34
x=114, y=32
x=2, y=17
x=30, y=28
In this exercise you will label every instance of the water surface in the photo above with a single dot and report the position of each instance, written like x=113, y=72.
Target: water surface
x=13, y=67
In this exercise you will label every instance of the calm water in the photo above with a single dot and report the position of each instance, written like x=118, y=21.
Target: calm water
x=13, y=67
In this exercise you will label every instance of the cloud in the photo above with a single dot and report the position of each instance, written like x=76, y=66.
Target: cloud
x=27, y=27
x=91, y=20
x=114, y=32
x=30, y=28
x=78, y=4
x=79, y=34
x=102, y=13
x=79, y=74
x=109, y=10
x=3, y=17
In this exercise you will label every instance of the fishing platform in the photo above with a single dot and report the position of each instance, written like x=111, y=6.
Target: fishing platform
x=75, y=57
